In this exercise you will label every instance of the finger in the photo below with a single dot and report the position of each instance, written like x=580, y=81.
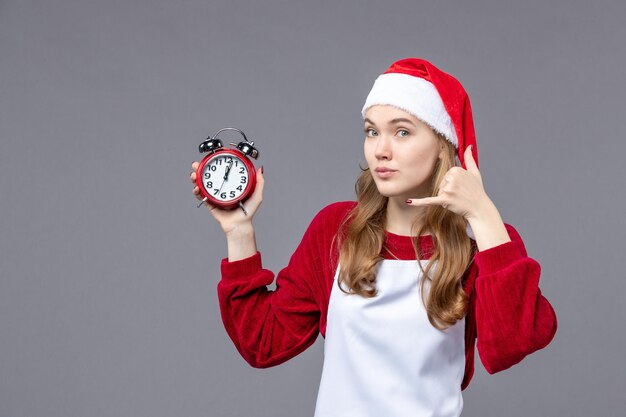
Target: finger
x=260, y=183
x=194, y=165
x=470, y=163
x=192, y=176
x=196, y=192
x=255, y=200
x=426, y=201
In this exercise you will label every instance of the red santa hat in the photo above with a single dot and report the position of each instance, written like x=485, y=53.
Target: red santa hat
x=433, y=96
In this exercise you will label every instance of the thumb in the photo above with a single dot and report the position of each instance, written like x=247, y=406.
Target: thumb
x=470, y=163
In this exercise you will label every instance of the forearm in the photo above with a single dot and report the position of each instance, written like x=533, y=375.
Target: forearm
x=488, y=227
x=270, y=326
x=513, y=318
x=241, y=243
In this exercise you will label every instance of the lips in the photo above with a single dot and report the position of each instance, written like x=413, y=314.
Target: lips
x=384, y=172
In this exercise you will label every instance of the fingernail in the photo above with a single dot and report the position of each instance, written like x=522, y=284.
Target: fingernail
x=408, y=201
x=261, y=169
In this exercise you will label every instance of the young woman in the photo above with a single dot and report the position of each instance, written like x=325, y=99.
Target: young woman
x=403, y=281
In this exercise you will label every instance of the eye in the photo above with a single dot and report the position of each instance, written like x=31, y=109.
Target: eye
x=370, y=132
x=403, y=133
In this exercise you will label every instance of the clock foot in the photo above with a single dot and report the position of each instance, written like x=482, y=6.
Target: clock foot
x=202, y=202
x=244, y=210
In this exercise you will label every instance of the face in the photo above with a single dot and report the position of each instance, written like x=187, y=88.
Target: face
x=401, y=152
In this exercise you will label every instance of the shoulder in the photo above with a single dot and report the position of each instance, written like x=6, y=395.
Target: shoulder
x=328, y=220
x=334, y=213
x=319, y=236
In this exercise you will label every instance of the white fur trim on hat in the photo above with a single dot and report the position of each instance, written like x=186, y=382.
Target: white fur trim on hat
x=416, y=96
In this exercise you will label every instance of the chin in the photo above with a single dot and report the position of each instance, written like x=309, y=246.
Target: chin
x=393, y=192
x=386, y=192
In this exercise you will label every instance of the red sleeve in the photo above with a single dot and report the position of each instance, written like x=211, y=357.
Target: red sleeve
x=270, y=327
x=513, y=318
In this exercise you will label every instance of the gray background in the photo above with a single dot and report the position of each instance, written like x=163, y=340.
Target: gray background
x=108, y=271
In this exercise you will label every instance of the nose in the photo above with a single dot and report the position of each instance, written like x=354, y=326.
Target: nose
x=383, y=148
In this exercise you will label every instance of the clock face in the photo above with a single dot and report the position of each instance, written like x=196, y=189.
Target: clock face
x=225, y=177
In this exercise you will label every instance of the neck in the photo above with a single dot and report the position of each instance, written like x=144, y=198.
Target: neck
x=401, y=217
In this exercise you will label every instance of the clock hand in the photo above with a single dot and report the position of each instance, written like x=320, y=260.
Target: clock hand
x=230, y=165
x=223, y=182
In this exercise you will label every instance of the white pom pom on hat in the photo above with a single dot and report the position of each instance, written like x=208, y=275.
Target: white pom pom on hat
x=433, y=96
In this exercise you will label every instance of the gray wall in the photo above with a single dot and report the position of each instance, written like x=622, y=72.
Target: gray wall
x=108, y=271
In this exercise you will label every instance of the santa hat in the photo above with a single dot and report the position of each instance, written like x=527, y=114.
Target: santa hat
x=433, y=96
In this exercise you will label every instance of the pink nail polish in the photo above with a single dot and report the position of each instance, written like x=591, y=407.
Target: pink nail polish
x=408, y=201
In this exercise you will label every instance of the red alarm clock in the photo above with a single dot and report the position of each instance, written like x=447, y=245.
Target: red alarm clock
x=226, y=177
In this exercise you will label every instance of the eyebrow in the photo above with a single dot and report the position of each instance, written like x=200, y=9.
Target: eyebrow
x=394, y=121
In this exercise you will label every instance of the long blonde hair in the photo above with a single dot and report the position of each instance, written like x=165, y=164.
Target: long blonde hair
x=362, y=234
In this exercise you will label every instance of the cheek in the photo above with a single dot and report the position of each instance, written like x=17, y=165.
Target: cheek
x=423, y=162
x=368, y=151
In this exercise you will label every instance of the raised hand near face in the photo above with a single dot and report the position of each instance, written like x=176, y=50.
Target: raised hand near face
x=461, y=190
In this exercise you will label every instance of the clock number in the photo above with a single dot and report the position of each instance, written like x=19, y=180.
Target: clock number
x=207, y=175
x=216, y=191
x=213, y=168
x=223, y=195
x=239, y=188
x=232, y=194
x=209, y=184
x=243, y=180
x=242, y=170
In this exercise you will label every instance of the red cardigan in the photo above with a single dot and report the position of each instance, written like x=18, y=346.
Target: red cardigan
x=507, y=313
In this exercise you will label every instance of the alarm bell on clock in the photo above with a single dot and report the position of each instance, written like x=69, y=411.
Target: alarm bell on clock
x=226, y=177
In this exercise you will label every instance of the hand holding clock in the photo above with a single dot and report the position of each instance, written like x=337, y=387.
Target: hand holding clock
x=233, y=220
